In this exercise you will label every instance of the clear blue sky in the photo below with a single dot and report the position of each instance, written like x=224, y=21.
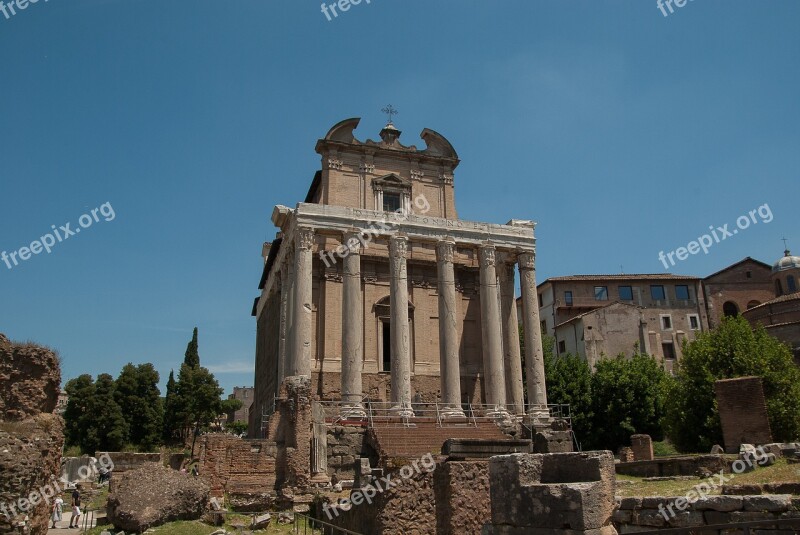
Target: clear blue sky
x=621, y=131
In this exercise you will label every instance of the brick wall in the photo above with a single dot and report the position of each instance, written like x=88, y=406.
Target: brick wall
x=461, y=490
x=742, y=412
x=642, y=446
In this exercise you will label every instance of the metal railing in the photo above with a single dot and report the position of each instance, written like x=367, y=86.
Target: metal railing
x=744, y=527
x=305, y=525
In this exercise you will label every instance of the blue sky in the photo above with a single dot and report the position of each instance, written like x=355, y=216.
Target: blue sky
x=621, y=131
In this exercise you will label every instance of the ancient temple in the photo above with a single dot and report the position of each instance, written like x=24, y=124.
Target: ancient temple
x=376, y=289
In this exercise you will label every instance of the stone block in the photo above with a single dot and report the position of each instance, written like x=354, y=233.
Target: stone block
x=642, y=446
x=775, y=503
x=716, y=517
x=562, y=491
x=649, y=517
x=630, y=503
x=719, y=503
x=686, y=519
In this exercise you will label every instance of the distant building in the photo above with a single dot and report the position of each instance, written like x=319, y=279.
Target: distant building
x=596, y=315
x=61, y=403
x=736, y=288
x=780, y=315
x=245, y=395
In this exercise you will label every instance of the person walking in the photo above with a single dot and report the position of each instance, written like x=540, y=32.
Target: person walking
x=57, y=511
x=76, y=509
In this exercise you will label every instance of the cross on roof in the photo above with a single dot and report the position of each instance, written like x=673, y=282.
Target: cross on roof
x=389, y=110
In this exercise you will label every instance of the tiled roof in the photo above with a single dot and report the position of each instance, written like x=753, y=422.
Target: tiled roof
x=788, y=297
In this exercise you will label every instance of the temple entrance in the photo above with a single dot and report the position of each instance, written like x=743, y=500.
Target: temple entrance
x=387, y=347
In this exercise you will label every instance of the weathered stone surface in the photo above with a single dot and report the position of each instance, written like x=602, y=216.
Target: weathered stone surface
x=153, y=495
x=31, y=437
x=30, y=377
x=686, y=519
x=630, y=503
x=560, y=491
x=649, y=517
x=719, y=503
x=741, y=490
x=771, y=503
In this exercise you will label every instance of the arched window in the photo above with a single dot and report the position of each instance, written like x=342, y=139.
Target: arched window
x=791, y=284
x=752, y=304
x=778, y=288
x=730, y=309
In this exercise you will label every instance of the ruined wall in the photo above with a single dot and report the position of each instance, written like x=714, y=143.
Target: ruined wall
x=461, y=490
x=644, y=514
x=742, y=412
x=346, y=444
x=31, y=437
x=242, y=469
x=674, y=466
x=125, y=461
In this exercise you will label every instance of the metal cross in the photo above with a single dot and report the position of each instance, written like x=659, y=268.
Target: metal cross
x=389, y=110
x=784, y=243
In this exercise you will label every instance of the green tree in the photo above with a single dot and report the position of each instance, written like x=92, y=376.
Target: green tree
x=569, y=381
x=171, y=424
x=192, y=357
x=198, y=399
x=78, y=412
x=627, y=398
x=138, y=396
x=108, y=430
x=733, y=349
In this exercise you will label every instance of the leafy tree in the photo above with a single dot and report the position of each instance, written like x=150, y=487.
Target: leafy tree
x=569, y=381
x=138, y=396
x=109, y=430
x=731, y=350
x=627, y=398
x=192, y=357
x=78, y=412
x=198, y=399
x=237, y=427
x=171, y=424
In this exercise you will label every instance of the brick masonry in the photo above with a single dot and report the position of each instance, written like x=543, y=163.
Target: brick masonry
x=742, y=412
x=642, y=446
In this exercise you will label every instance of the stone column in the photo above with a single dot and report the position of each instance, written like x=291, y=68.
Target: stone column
x=288, y=357
x=494, y=382
x=512, y=361
x=301, y=345
x=398, y=299
x=450, y=368
x=534, y=358
x=284, y=303
x=352, y=328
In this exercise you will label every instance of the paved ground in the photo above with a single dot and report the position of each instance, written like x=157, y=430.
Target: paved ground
x=63, y=527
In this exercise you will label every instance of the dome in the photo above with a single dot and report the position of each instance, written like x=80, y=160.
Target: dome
x=786, y=262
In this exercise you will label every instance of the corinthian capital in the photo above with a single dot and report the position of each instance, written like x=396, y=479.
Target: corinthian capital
x=305, y=238
x=488, y=255
x=352, y=240
x=445, y=250
x=398, y=246
x=527, y=260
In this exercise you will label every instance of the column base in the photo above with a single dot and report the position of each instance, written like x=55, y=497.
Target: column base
x=353, y=411
x=402, y=411
x=539, y=416
x=452, y=413
x=498, y=412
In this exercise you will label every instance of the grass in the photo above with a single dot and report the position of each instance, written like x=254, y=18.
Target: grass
x=781, y=471
x=195, y=527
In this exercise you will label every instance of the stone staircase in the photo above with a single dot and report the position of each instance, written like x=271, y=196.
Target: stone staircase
x=394, y=440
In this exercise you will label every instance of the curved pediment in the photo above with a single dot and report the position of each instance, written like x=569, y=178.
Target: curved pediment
x=437, y=145
x=343, y=131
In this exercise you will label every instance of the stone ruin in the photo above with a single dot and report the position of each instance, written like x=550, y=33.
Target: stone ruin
x=31, y=436
x=560, y=493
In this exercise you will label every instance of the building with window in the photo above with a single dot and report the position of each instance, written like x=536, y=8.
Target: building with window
x=780, y=315
x=376, y=290
x=245, y=395
x=605, y=315
x=736, y=288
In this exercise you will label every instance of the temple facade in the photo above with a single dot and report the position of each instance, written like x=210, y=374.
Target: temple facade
x=376, y=289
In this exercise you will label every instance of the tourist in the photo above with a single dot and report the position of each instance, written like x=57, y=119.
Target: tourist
x=76, y=508
x=57, y=512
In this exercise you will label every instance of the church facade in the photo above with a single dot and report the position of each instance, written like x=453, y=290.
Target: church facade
x=376, y=290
